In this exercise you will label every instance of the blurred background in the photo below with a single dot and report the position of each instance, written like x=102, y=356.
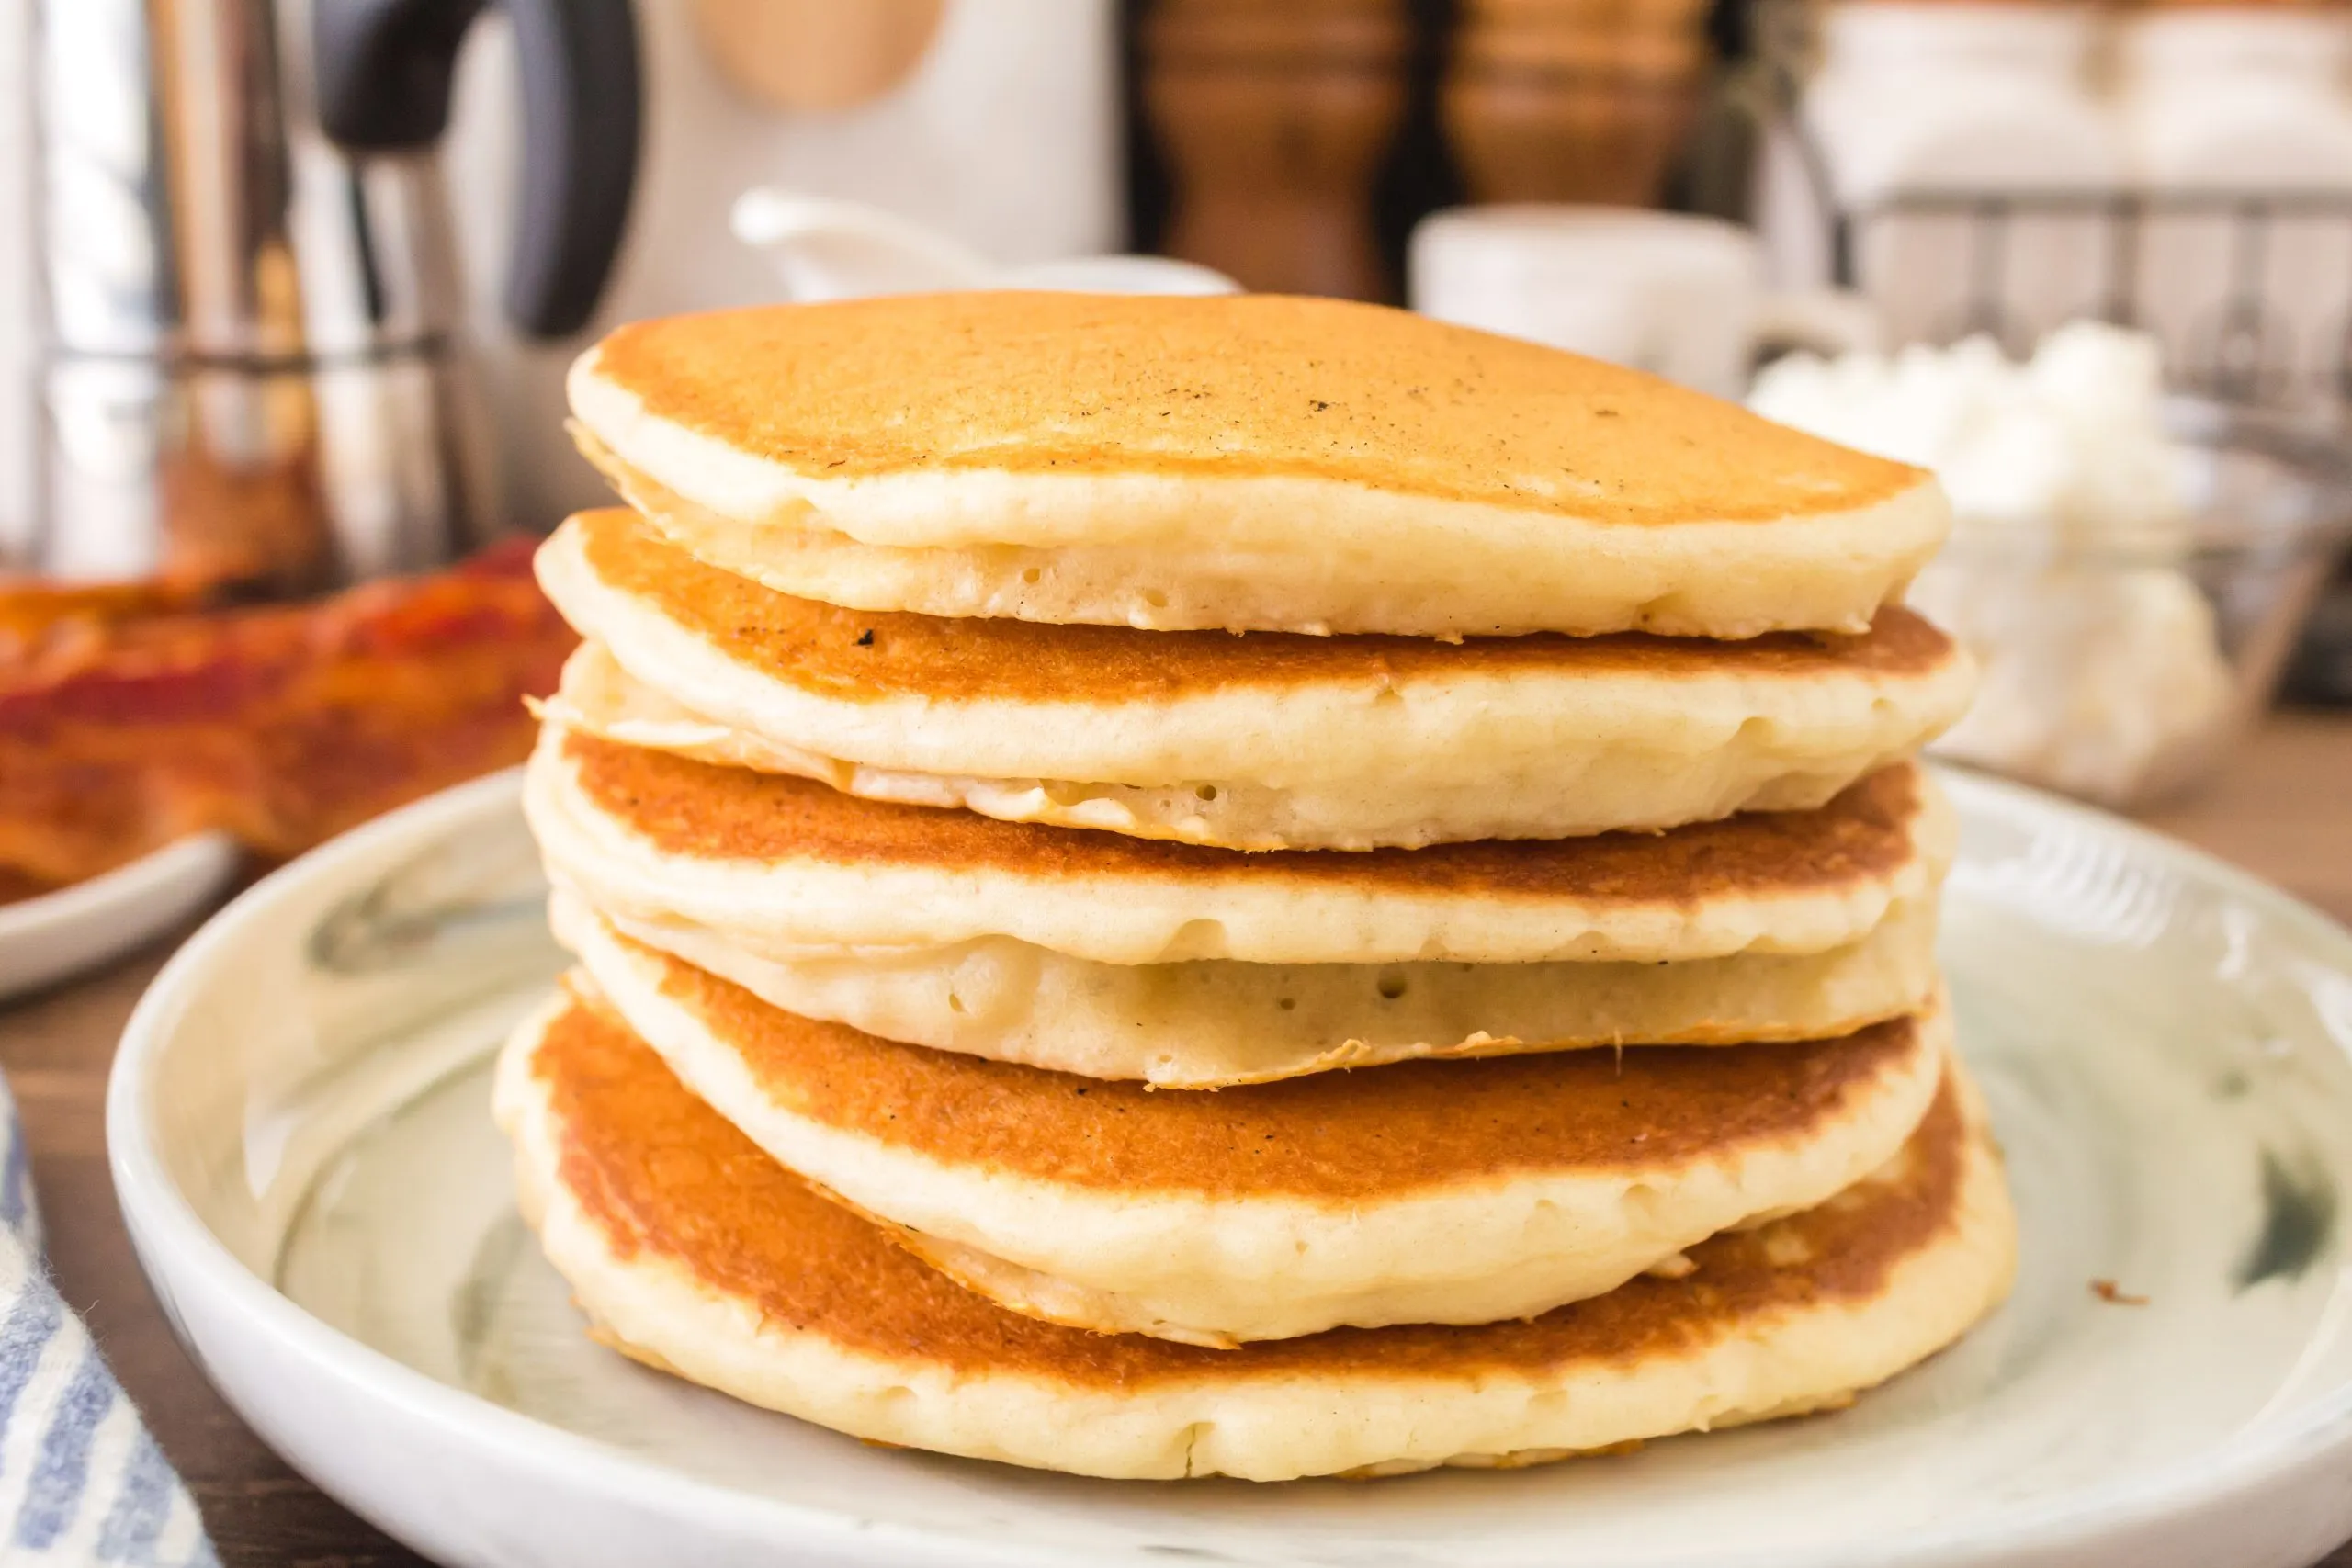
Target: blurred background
x=288, y=288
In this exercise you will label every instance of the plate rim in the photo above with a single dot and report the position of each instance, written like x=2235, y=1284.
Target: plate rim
x=187, y=853
x=163, y=1224
x=161, y=1219
x=182, y=873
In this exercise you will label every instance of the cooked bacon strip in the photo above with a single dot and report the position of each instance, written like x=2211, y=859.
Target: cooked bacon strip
x=283, y=726
x=33, y=610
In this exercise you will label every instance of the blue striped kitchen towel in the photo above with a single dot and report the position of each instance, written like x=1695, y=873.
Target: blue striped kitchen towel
x=81, y=1482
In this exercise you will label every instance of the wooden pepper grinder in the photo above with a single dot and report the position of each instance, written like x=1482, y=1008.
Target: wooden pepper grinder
x=1273, y=119
x=1572, y=100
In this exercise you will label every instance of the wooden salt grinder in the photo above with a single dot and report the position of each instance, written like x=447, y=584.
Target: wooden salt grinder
x=1572, y=100
x=1273, y=119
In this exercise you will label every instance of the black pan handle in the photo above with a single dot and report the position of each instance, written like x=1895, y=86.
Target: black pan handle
x=384, y=70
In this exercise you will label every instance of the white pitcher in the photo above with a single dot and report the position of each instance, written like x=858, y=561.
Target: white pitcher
x=826, y=248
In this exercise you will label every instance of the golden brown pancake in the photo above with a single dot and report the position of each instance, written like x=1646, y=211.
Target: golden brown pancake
x=1268, y=740
x=865, y=656
x=1453, y=1192
x=1246, y=387
x=1257, y=462
x=775, y=862
x=694, y=809
x=696, y=1251
x=1214, y=1023
x=1341, y=1138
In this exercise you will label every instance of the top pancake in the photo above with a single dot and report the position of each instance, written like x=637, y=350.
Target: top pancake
x=1268, y=740
x=1253, y=462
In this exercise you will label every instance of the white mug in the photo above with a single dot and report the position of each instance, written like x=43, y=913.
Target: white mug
x=1680, y=296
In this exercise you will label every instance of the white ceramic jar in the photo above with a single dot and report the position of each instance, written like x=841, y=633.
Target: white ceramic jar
x=1919, y=96
x=1681, y=296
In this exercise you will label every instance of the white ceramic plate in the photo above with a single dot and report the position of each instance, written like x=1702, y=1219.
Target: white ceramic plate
x=299, y=1137
x=46, y=938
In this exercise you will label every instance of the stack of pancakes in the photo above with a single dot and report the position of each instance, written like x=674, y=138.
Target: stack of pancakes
x=1241, y=886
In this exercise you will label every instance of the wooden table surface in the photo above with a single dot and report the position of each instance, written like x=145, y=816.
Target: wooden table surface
x=2283, y=809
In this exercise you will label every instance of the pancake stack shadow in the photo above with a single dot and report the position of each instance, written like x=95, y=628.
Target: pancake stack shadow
x=1245, y=887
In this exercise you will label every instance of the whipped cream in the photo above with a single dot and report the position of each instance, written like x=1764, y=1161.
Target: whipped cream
x=2065, y=575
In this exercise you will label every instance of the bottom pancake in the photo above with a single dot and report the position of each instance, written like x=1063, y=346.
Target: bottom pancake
x=1429, y=1192
x=695, y=1252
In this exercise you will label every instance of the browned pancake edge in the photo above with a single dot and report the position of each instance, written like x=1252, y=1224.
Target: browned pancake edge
x=859, y=656
x=1337, y=1137
x=703, y=811
x=662, y=1177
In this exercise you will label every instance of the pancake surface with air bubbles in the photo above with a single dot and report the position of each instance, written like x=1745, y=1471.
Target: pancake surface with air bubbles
x=1246, y=463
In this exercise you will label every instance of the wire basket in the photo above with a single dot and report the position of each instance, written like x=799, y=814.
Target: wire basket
x=2250, y=292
